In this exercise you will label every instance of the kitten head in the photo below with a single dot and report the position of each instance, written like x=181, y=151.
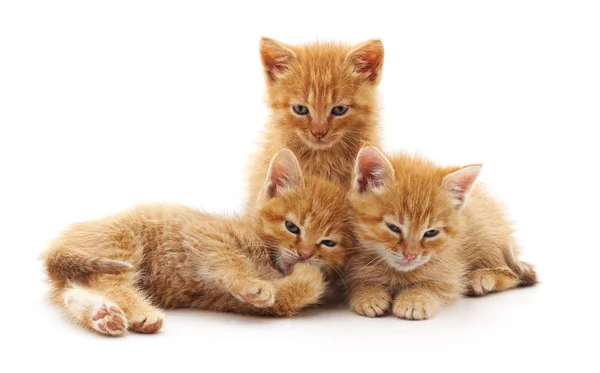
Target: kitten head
x=407, y=208
x=323, y=92
x=304, y=219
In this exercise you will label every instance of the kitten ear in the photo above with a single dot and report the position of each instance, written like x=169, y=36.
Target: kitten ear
x=284, y=172
x=372, y=170
x=367, y=60
x=459, y=183
x=276, y=57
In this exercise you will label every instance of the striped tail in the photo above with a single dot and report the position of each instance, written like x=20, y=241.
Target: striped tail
x=524, y=270
x=71, y=265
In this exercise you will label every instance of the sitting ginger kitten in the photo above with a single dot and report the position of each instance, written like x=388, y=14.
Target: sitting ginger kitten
x=323, y=106
x=427, y=236
x=114, y=274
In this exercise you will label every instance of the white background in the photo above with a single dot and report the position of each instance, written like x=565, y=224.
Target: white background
x=107, y=104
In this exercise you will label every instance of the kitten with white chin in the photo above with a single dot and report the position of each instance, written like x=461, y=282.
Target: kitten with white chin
x=427, y=235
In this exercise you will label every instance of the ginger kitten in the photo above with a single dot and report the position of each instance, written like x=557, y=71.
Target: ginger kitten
x=323, y=101
x=428, y=236
x=117, y=273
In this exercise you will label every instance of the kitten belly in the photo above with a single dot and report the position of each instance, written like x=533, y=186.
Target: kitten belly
x=172, y=282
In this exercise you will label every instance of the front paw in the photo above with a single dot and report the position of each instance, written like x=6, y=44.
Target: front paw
x=412, y=306
x=257, y=293
x=371, y=304
x=307, y=272
x=307, y=279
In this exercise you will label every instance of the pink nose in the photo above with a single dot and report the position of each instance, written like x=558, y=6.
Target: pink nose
x=319, y=134
x=409, y=257
x=305, y=253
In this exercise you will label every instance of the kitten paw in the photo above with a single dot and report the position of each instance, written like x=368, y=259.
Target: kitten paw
x=146, y=323
x=109, y=319
x=307, y=272
x=372, y=305
x=481, y=284
x=415, y=307
x=258, y=293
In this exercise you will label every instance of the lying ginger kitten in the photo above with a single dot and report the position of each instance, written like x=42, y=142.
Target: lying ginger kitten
x=114, y=274
x=428, y=236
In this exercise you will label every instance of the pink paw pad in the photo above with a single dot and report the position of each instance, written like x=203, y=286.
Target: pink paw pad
x=258, y=296
x=109, y=320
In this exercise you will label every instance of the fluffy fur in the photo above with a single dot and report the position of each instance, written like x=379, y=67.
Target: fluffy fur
x=428, y=236
x=117, y=273
x=320, y=77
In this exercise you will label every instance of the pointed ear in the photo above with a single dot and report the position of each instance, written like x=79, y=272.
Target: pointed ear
x=459, y=183
x=276, y=57
x=367, y=60
x=284, y=172
x=372, y=170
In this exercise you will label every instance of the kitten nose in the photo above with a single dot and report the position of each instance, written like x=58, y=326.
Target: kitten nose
x=319, y=134
x=306, y=252
x=409, y=257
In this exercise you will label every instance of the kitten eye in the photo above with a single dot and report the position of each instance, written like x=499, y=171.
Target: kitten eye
x=394, y=228
x=339, y=110
x=300, y=109
x=431, y=233
x=328, y=243
x=292, y=227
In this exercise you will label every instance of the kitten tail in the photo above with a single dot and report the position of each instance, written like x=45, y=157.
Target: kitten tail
x=524, y=270
x=70, y=265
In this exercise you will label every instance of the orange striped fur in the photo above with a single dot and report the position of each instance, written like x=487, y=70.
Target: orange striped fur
x=118, y=273
x=428, y=235
x=319, y=76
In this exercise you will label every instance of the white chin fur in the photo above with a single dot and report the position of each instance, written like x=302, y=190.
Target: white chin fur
x=319, y=145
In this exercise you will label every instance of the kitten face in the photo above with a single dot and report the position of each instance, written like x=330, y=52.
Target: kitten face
x=408, y=209
x=322, y=93
x=303, y=219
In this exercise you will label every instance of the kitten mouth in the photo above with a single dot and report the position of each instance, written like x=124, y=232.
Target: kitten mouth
x=405, y=265
x=315, y=143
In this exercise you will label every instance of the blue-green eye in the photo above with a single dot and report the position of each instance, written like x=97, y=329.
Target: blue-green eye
x=300, y=109
x=328, y=243
x=339, y=110
x=292, y=227
x=394, y=228
x=431, y=233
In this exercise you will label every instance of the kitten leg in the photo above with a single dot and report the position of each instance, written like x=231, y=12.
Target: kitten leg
x=142, y=316
x=370, y=300
x=304, y=287
x=483, y=281
x=502, y=272
x=94, y=311
x=236, y=273
x=424, y=300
